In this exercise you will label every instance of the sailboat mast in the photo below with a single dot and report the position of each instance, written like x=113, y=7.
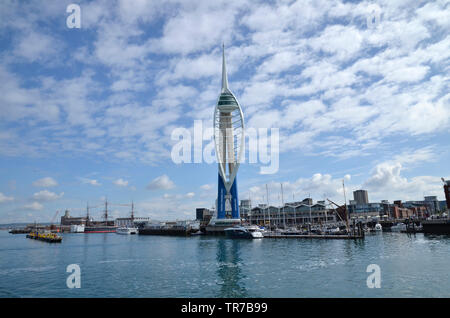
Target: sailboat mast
x=268, y=210
x=345, y=205
x=282, y=205
x=106, y=212
x=87, y=214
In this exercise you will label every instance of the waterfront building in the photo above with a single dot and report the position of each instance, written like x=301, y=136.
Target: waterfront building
x=431, y=202
x=202, y=213
x=131, y=222
x=403, y=212
x=361, y=197
x=443, y=205
x=292, y=214
x=365, y=210
x=229, y=142
x=245, y=208
x=66, y=219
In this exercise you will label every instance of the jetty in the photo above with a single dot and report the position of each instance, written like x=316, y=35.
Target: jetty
x=436, y=226
x=315, y=236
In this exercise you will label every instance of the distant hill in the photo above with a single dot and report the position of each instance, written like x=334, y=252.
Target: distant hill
x=18, y=225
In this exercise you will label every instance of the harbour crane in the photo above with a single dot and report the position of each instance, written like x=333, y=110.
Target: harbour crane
x=339, y=209
x=52, y=226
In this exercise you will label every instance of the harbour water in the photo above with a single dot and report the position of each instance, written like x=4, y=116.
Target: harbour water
x=159, y=266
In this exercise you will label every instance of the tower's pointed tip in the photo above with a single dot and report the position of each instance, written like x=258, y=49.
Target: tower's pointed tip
x=224, y=70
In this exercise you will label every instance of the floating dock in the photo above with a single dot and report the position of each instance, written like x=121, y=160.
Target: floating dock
x=314, y=236
x=436, y=226
x=20, y=231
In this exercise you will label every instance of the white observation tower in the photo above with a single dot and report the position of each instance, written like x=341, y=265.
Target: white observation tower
x=229, y=140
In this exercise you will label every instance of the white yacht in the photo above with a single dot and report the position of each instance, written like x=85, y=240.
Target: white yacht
x=248, y=232
x=398, y=227
x=77, y=228
x=378, y=227
x=126, y=230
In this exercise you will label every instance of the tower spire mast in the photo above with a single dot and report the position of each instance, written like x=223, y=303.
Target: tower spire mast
x=224, y=70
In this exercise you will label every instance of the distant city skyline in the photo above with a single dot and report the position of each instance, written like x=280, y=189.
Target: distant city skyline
x=358, y=91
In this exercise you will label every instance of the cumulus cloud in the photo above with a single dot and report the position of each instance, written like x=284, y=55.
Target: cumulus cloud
x=120, y=182
x=319, y=186
x=46, y=182
x=207, y=187
x=46, y=195
x=36, y=206
x=387, y=182
x=93, y=182
x=161, y=183
x=4, y=198
x=363, y=83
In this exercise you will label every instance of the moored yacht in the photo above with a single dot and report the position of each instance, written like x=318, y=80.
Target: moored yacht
x=77, y=228
x=398, y=227
x=248, y=232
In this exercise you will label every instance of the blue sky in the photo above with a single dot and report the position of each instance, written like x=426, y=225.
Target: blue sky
x=88, y=113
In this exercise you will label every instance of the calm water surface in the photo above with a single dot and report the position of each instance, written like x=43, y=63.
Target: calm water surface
x=156, y=266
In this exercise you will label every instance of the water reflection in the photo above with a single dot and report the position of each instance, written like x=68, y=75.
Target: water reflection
x=229, y=270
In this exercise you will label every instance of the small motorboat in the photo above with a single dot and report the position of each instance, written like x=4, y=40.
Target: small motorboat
x=378, y=227
x=247, y=232
x=126, y=230
x=398, y=227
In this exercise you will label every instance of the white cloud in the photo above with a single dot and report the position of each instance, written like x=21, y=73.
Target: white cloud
x=35, y=46
x=207, y=187
x=4, y=198
x=197, y=27
x=342, y=41
x=46, y=195
x=387, y=182
x=46, y=182
x=93, y=182
x=120, y=182
x=319, y=186
x=190, y=195
x=161, y=183
x=36, y=206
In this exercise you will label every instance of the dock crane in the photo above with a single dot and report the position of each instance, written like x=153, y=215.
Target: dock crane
x=52, y=226
x=338, y=214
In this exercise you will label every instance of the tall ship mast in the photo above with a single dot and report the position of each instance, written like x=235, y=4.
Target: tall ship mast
x=100, y=227
x=106, y=212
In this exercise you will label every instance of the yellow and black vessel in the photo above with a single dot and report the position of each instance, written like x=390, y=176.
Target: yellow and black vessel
x=45, y=236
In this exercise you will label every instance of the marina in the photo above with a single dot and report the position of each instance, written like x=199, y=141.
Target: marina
x=231, y=156
x=214, y=266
